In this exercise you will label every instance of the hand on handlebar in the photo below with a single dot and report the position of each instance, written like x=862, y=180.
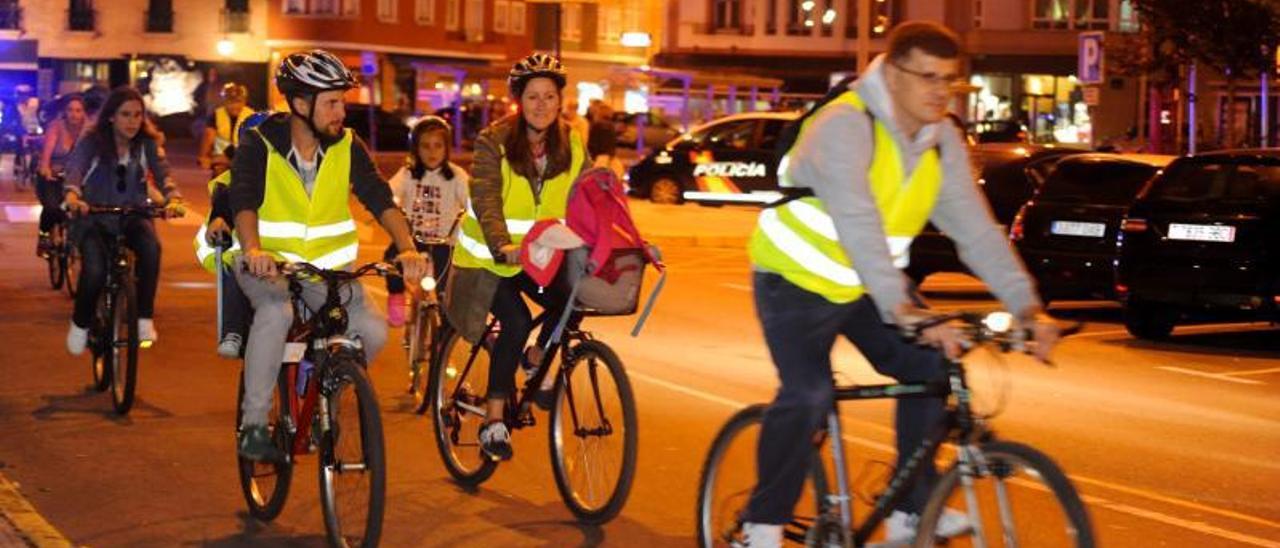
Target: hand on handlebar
x=76, y=207
x=510, y=253
x=175, y=209
x=218, y=231
x=1045, y=334
x=413, y=265
x=942, y=336
x=260, y=263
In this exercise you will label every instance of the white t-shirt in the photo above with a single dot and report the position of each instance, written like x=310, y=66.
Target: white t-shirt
x=432, y=203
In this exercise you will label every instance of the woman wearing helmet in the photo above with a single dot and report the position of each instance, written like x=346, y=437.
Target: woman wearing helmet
x=217, y=229
x=432, y=191
x=523, y=168
x=222, y=129
x=291, y=184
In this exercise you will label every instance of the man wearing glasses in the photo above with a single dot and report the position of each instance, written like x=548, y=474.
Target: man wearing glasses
x=881, y=161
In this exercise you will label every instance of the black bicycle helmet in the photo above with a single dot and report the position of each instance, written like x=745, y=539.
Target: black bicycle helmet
x=538, y=65
x=313, y=72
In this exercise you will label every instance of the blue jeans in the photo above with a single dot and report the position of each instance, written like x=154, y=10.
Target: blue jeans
x=800, y=328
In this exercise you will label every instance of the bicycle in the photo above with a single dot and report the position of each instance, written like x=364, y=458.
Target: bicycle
x=421, y=339
x=825, y=518
x=578, y=412
x=113, y=332
x=25, y=159
x=58, y=252
x=323, y=394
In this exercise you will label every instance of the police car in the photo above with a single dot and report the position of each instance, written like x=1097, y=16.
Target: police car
x=729, y=160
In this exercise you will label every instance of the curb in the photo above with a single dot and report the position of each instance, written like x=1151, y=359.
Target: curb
x=26, y=522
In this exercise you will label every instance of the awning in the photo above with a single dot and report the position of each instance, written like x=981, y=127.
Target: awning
x=18, y=55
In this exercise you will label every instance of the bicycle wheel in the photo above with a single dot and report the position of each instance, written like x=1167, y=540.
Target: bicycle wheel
x=593, y=433
x=101, y=343
x=1014, y=495
x=353, y=470
x=265, y=485
x=421, y=341
x=124, y=361
x=729, y=476
x=56, y=260
x=73, y=269
x=459, y=379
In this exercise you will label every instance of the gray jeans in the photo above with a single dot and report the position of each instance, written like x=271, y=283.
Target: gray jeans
x=272, y=316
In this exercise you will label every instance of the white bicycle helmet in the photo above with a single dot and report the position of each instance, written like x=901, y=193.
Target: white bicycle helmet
x=538, y=65
x=313, y=72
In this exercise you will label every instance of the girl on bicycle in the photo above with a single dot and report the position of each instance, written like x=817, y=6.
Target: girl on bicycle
x=59, y=140
x=524, y=166
x=109, y=167
x=432, y=191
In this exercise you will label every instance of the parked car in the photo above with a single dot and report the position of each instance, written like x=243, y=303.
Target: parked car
x=729, y=160
x=1008, y=175
x=1203, y=239
x=1067, y=232
x=999, y=131
x=658, y=131
x=393, y=133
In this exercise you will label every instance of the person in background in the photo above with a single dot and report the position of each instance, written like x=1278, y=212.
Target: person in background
x=60, y=139
x=221, y=131
x=575, y=121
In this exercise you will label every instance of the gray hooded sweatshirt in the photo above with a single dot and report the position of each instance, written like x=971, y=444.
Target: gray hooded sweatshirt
x=833, y=159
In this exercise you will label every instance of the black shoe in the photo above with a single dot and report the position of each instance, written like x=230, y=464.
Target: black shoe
x=254, y=443
x=495, y=441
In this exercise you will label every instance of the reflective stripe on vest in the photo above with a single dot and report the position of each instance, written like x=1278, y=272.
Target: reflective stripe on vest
x=318, y=228
x=520, y=209
x=798, y=240
x=204, y=251
x=224, y=132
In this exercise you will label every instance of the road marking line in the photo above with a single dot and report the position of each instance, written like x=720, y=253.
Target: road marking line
x=1254, y=372
x=24, y=517
x=738, y=287
x=1214, y=376
x=1117, y=507
x=1186, y=330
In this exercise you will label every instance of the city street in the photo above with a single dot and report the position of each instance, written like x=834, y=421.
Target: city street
x=1171, y=444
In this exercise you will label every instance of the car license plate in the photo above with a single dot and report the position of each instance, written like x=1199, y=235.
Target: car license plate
x=1202, y=233
x=1074, y=228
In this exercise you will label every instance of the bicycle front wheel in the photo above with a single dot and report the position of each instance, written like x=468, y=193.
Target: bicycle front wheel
x=593, y=433
x=265, y=485
x=124, y=361
x=729, y=477
x=459, y=381
x=57, y=261
x=421, y=346
x=1014, y=495
x=353, y=470
x=102, y=343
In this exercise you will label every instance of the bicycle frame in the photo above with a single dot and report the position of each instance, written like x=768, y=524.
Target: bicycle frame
x=959, y=419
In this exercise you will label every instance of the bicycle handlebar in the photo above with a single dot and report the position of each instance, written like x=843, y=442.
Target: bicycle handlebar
x=995, y=328
x=142, y=211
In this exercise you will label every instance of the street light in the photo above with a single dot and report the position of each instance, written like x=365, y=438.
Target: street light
x=226, y=47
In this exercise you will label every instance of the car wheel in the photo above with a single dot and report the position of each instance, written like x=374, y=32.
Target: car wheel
x=1146, y=320
x=666, y=190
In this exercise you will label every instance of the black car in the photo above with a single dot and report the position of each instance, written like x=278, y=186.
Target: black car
x=730, y=160
x=1008, y=175
x=1067, y=232
x=1203, y=239
x=657, y=130
x=393, y=133
x=999, y=131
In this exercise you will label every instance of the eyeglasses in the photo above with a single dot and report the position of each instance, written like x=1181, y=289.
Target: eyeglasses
x=931, y=78
x=121, y=171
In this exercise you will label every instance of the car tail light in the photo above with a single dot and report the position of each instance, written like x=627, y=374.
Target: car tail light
x=1122, y=290
x=1015, y=229
x=1134, y=225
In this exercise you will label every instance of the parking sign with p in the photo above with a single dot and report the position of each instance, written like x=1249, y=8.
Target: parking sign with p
x=1090, y=58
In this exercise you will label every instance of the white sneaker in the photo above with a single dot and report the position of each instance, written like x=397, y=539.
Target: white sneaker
x=761, y=535
x=900, y=527
x=146, y=330
x=230, y=346
x=77, y=337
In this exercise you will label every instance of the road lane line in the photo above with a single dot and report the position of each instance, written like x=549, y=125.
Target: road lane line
x=1094, y=500
x=29, y=523
x=1202, y=374
x=738, y=287
x=1185, y=330
x=1254, y=372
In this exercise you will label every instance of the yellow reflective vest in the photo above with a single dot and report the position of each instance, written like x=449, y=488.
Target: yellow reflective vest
x=224, y=131
x=204, y=251
x=520, y=210
x=317, y=229
x=798, y=241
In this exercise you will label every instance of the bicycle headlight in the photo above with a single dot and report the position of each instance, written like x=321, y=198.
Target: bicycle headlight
x=998, y=322
x=428, y=283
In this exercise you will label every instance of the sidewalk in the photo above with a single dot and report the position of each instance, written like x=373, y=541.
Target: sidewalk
x=21, y=525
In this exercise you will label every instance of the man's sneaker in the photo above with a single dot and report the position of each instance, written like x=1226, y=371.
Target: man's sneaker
x=230, y=346
x=147, y=330
x=495, y=441
x=395, y=309
x=900, y=527
x=77, y=337
x=760, y=535
x=254, y=443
